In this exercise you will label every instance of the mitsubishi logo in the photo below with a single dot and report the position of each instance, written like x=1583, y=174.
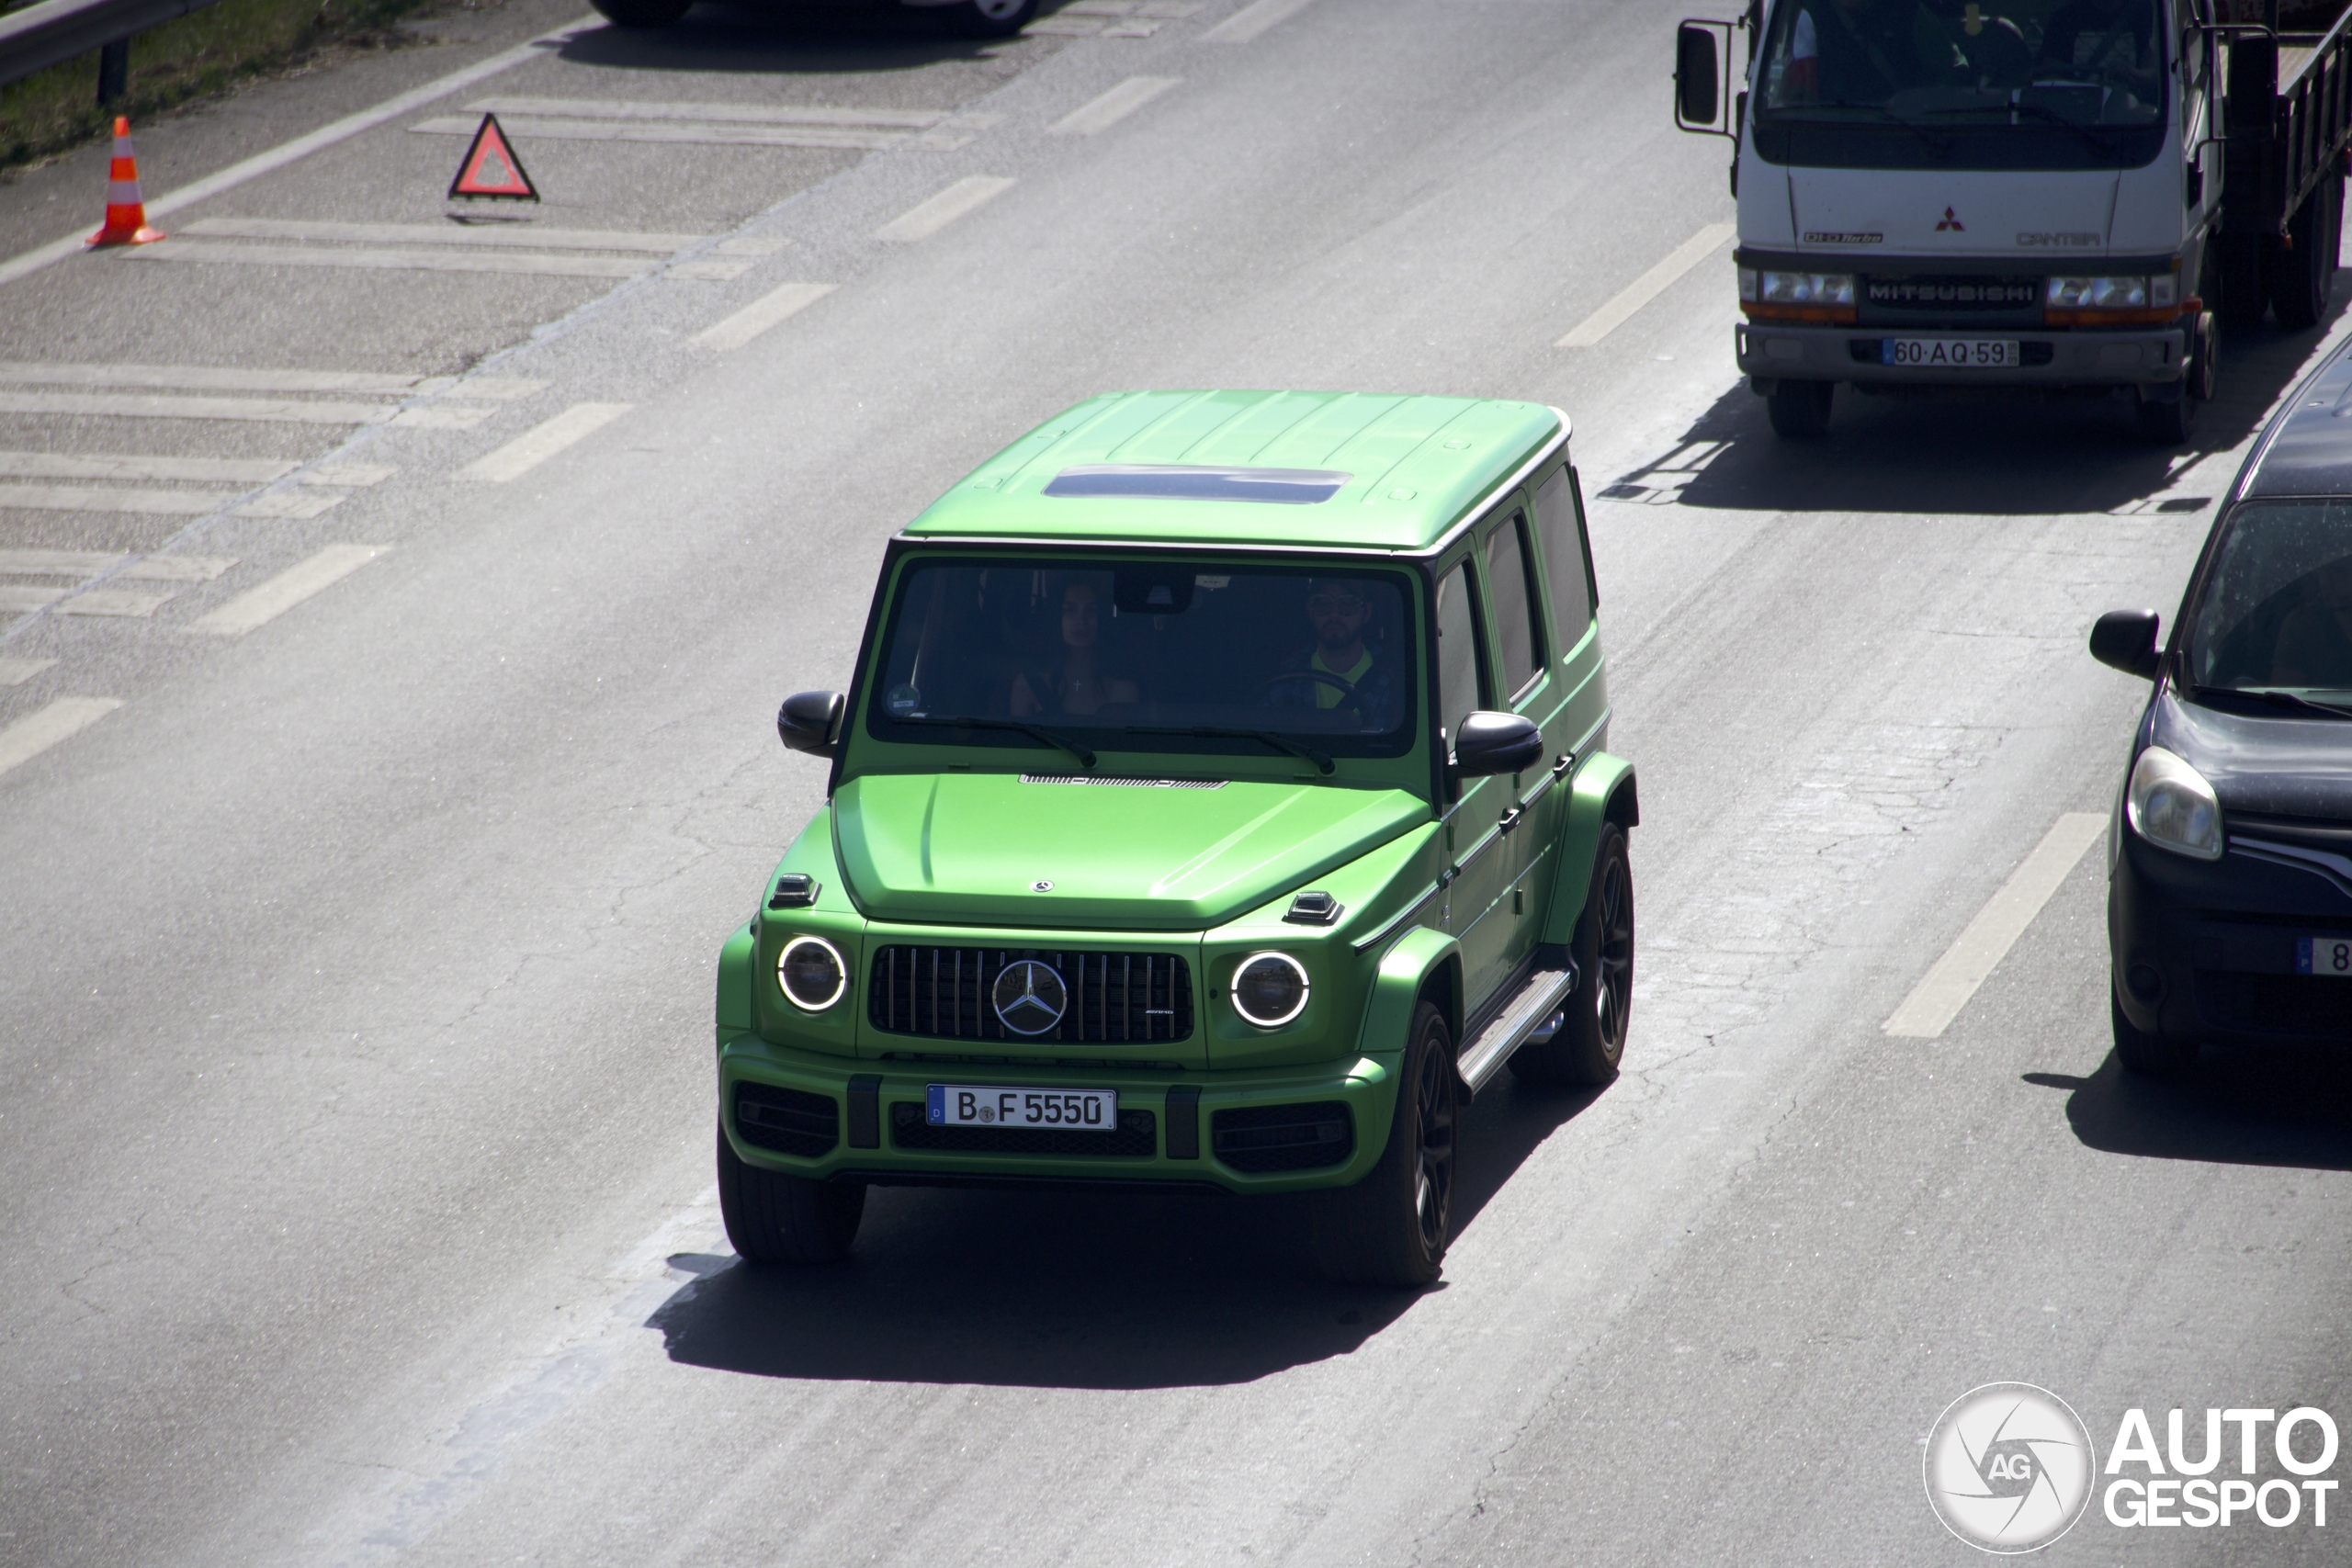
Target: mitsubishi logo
x=1030, y=997
x=1951, y=221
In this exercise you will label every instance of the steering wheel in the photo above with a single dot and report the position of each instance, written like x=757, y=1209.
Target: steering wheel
x=1348, y=696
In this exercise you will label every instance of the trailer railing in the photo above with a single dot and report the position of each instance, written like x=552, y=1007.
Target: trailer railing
x=56, y=30
x=2283, y=137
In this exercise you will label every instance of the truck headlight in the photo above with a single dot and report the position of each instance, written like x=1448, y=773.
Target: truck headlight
x=1804, y=288
x=811, y=972
x=2170, y=804
x=2112, y=293
x=1269, y=989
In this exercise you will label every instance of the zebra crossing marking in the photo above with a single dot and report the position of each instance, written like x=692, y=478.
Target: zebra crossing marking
x=60, y=720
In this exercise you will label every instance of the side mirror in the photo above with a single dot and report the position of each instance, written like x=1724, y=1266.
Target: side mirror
x=1698, y=78
x=1495, y=743
x=2126, y=640
x=809, y=721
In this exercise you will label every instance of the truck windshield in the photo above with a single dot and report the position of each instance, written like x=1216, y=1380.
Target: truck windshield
x=2275, y=613
x=1963, y=84
x=1233, y=657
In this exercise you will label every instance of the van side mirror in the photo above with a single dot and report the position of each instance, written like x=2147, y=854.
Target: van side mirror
x=810, y=722
x=2126, y=640
x=1495, y=743
x=1698, y=78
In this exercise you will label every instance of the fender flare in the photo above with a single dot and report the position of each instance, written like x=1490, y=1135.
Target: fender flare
x=1406, y=969
x=1601, y=791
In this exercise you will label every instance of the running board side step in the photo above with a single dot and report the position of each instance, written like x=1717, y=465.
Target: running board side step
x=1532, y=1014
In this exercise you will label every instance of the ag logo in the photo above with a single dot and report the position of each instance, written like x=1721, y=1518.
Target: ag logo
x=1030, y=997
x=2009, y=1467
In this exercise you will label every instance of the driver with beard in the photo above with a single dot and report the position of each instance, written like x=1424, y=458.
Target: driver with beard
x=1347, y=668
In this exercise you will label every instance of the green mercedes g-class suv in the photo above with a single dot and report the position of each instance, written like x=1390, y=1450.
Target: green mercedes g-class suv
x=1222, y=797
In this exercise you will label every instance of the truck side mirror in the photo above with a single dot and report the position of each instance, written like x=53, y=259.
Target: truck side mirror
x=1487, y=743
x=2126, y=640
x=810, y=722
x=1698, y=78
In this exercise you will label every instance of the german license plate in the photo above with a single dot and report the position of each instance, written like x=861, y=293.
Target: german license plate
x=982, y=1105
x=2323, y=956
x=1950, y=353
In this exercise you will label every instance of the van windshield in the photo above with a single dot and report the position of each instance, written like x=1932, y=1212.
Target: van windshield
x=2275, y=613
x=1963, y=84
x=1125, y=655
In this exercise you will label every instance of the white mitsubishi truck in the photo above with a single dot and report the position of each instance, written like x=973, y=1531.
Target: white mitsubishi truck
x=2049, y=197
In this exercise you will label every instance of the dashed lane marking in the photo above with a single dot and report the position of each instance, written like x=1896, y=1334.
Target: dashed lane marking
x=257, y=411
x=127, y=466
x=1112, y=107
x=36, y=732
x=264, y=603
x=349, y=476
x=536, y=446
x=17, y=672
x=757, y=317
x=747, y=114
x=223, y=379
x=399, y=261
x=1646, y=288
x=91, y=563
x=721, y=125
x=1112, y=19
x=929, y=218
x=1936, y=1000
x=1250, y=20
x=110, y=601
x=149, y=503
x=515, y=236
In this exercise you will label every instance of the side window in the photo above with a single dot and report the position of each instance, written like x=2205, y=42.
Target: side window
x=1559, y=525
x=1457, y=650
x=1517, y=636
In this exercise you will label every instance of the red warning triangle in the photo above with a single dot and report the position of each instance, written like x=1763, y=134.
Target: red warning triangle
x=491, y=168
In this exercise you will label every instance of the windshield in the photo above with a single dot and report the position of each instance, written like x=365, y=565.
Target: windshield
x=1086, y=654
x=1963, y=84
x=2275, y=613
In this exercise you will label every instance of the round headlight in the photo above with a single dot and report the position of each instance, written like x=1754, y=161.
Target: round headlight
x=811, y=973
x=1269, y=989
x=2169, y=803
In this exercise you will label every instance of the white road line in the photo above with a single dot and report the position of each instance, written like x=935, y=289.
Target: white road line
x=17, y=672
x=1112, y=107
x=1250, y=20
x=125, y=466
x=109, y=602
x=711, y=133
x=301, y=147
x=1648, y=287
x=151, y=502
x=90, y=563
x=394, y=261
x=289, y=504
x=225, y=378
x=16, y=598
x=929, y=218
x=36, y=732
x=353, y=476
x=710, y=269
x=761, y=314
x=743, y=114
x=259, y=411
x=503, y=236
x=536, y=446
x=1936, y=1000
x=272, y=599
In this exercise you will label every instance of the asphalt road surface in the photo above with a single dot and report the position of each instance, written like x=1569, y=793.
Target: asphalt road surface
x=412, y=692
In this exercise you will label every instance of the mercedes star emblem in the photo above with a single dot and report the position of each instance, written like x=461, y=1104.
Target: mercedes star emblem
x=1030, y=997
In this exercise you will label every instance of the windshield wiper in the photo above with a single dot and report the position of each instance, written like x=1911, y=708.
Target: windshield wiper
x=1218, y=732
x=2105, y=145
x=2274, y=698
x=1034, y=731
x=1940, y=148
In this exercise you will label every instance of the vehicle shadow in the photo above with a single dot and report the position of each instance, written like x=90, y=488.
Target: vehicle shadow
x=1080, y=1289
x=797, y=39
x=1969, y=455
x=2272, y=1107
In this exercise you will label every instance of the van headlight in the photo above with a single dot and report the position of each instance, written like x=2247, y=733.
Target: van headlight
x=811, y=972
x=1269, y=989
x=2171, y=806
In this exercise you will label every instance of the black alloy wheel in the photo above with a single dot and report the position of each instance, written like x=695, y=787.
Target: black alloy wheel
x=776, y=1217
x=1392, y=1228
x=1800, y=410
x=1591, y=1041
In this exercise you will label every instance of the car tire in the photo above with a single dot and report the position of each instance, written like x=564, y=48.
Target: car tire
x=2168, y=424
x=643, y=13
x=775, y=1217
x=2148, y=1054
x=1591, y=1041
x=1800, y=410
x=989, y=19
x=2246, y=299
x=2303, y=276
x=1391, y=1228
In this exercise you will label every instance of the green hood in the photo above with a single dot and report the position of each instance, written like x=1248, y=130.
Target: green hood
x=955, y=848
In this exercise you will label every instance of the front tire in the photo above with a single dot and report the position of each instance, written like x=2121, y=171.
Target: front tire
x=643, y=13
x=1591, y=1040
x=775, y=1217
x=2150, y=1056
x=989, y=19
x=1800, y=410
x=1392, y=1228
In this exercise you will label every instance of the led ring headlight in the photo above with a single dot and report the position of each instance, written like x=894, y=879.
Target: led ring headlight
x=811, y=972
x=1269, y=989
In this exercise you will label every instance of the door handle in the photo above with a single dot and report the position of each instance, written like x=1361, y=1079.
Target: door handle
x=1510, y=820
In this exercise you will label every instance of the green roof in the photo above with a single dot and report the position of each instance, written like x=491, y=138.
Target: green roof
x=1413, y=468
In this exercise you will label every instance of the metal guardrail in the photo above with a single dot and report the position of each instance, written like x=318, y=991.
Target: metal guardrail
x=40, y=36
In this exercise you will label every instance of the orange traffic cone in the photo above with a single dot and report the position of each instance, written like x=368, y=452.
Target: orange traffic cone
x=126, y=209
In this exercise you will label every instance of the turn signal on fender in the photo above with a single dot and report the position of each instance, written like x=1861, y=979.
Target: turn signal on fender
x=126, y=209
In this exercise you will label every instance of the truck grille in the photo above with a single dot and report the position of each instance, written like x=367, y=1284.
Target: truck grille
x=1113, y=997
x=1136, y=1137
x=1263, y=1139
x=1945, y=295
x=789, y=1120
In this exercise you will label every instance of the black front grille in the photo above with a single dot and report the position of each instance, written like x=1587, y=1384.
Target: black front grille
x=1263, y=1139
x=2318, y=1005
x=1948, y=295
x=788, y=1121
x=1136, y=1137
x=1115, y=999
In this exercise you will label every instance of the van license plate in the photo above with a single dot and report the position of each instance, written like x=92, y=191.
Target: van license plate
x=2323, y=956
x=1950, y=353
x=979, y=1105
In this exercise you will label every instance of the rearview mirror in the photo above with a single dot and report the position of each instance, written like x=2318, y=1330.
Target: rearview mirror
x=1698, y=78
x=811, y=721
x=1495, y=743
x=2126, y=640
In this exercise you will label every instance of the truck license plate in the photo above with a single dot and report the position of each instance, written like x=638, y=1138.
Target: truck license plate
x=1955, y=353
x=2323, y=956
x=979, y=1105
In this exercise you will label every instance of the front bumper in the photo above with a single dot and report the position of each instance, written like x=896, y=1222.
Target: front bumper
x=1249, y=1130
x=2149, y=357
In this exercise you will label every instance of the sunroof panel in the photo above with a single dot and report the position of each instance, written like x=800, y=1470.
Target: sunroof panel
x=1192, y=481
